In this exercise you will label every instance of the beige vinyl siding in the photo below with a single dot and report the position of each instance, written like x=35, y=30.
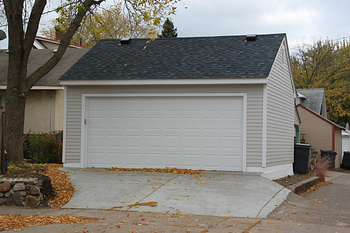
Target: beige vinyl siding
x=254, y=112
x=44, y=110
x=317, y=132
x=280, y=113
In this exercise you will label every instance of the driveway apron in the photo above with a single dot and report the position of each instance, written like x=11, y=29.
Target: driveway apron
x=233, y=194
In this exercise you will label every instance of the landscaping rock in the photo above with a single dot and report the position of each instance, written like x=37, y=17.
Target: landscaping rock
x=2, y=201
x=18, y=187
x=34, y=190
x=9, y=193
x=6, y=186
x=31, y=201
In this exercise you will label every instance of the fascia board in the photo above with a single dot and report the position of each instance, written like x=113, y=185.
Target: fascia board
x=163, y=82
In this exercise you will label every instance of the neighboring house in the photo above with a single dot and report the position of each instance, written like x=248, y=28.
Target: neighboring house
x=313, y=99
x=346, y=138
x=214, y=103
x=46, y=43
x=45, y=101
x=315, y=128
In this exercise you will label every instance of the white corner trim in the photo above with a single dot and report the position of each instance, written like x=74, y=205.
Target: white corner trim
x=83, y=148
x=279, y=171
x=165, y=81
x=244, y=131
x=64, y=126
x=264, y=131
x=71, y=165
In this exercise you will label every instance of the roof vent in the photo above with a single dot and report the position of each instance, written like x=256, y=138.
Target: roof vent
x=125, y=40
x=251, y=37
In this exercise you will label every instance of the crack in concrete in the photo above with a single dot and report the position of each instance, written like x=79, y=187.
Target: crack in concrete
x=155, y=190
x=257, y=216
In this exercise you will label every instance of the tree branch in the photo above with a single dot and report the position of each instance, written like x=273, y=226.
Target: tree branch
x=64, y=43
x=32, y=27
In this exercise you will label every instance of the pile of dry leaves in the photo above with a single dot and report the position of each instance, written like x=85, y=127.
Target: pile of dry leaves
x=8, y=222
x=63, y=193
x=59, y=180
x=163, y=170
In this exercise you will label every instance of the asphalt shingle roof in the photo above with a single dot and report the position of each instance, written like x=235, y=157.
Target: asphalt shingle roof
x=37, y=58
x=314, y=99
x=223, y=57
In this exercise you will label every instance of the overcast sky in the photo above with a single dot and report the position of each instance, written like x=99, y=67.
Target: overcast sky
x=302, y=20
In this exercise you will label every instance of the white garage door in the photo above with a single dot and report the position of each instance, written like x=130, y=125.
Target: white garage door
x=158, y=132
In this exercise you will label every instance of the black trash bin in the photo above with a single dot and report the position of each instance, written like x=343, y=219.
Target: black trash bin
x=302, y=156
x=331, y=154
x=346, y=160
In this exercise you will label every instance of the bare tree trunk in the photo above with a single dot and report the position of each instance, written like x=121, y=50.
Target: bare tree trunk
x=15, y=108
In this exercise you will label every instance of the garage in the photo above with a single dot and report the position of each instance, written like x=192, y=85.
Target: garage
x=193, y=132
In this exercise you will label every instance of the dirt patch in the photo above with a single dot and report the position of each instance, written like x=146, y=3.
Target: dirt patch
x=293, y=179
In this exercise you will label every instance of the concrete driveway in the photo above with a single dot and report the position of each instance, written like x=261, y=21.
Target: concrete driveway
x=232, y=194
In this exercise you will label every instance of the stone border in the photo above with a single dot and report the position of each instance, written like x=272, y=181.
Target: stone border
x=21, y=192
x=304, y=185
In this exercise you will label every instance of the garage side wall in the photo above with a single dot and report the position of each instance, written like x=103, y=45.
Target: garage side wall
x=280, y=112
x=254, y=113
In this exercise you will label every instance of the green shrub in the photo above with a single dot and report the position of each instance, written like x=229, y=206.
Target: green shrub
x=43, y=147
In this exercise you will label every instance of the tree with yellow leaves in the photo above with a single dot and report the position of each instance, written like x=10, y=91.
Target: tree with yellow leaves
x=108, y=23
x=326, y=64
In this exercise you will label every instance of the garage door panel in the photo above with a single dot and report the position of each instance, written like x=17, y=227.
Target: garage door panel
x=183, y=132
x=172, y=142
x=134, y=123
x=134, y=105
x=192, y=142
x=172, y=159
x=211, y=142
x=95, y=159
x=114, y=123
x=114, y=141
x=153, y=105
x=153, y=142
x=212, y=161
x=231, y=162
x=133, y=141
x=134, y=160
x=192, y=105
x=153, y=160
x=172, y=123
x=96, y=141
x=153, y=123
x=192, y=123
x=191, y=161
x=97, y=123
x=97, y=105
x=231, y=123
x=172, y=105
x=115, y=159
x=232, y=143
x=115, y=105
x=212, y=105
x=212, y=123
